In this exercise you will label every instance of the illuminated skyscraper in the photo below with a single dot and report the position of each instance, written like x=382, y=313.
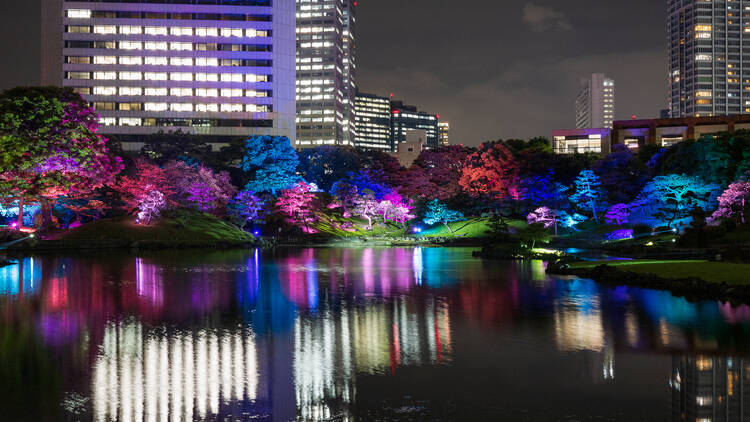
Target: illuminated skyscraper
x=405, y=118
x=595, y=104
x=373, y=122
x=219, y=68
x=444, y=129
x=708, y=56
x=326, y=72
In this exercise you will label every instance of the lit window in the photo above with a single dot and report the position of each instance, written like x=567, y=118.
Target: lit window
x=207, y=32
x=155, y=76
x=155, y=106
x=155, y=30
x=156, y=92
x=181, y=76
x=157, y=46
x=105, y=90
x=105, y=29
x=231, y=108
x=105, y=75
x=107, y=121
x=79, y=13
x=181, y=61
x=203, y=92
x=231, y=77
x=180, y=46
x=231, y=92
x=251, y=108
x=181, y=92
x=181, y=31
x=105, y=60
x=130, y=121
x=206, y=77
x=130, y=30
x=207, y=108
x=131, y=60
x=131, y=45
x=202, y=61
x=156, y=61
x=131, y=76
x=181, y=107
x=129, y=91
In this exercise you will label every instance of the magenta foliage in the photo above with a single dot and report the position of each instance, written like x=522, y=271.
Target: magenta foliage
x=733, y=202
x=618, y=214
x=393, y=207
x=200, y=187
x=150, y=207
x=298, y=205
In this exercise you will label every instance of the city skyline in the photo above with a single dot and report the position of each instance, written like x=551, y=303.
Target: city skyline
x=511, y=86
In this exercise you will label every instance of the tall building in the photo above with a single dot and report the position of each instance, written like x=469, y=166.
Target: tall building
x=326, y=72
x=595, y=104
x=219, y=68
x=405, y=118
x=708, y=56
x=444, y=129
x=373, y=122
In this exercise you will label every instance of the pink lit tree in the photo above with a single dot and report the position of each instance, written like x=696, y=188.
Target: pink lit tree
x=395, y=208
x=546, y=216
x=137, y=190
x=298, y=205
x=366, y=207
x=200, y=187
x=733, y=202
x=617, y=214
x=150, y=207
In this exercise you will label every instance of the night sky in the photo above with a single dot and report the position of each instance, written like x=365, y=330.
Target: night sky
x=493, y=68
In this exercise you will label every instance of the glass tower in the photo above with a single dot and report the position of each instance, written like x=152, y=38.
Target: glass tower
x=708, y=56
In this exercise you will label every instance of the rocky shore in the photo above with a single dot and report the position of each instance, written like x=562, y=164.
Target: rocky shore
x=693, y=289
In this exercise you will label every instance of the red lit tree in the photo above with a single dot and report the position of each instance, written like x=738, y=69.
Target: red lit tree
x=138, y=188
x=490, y=172
x=49, y=148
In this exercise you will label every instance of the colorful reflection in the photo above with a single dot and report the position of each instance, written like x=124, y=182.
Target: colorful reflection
x=289, y=334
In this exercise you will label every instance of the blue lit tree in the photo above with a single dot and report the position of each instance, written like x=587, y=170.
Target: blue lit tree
x=271, y=163
x=437, y=212
x=324, y=165
x=245, y=207
x=673, y=197
x=588, y=192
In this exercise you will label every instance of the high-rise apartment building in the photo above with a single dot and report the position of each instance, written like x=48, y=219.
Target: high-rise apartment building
x=405, y=118
x=595, y=104
x=219, y=68
x=373, y=122
x=708, y=57
x=326, y=72
x=444, y=129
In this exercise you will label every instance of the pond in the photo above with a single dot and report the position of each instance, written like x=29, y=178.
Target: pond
x=391, y=334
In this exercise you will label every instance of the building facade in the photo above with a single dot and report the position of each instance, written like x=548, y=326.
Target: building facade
x=444, y=129
x=667, y=132
x=595, y=103
x=405, y=118
x=224, y=69
x=708, y=56
x=580, y=141
x=326, y=72
x=373, y=122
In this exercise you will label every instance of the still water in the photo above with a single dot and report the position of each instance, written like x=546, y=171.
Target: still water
x=400, y=334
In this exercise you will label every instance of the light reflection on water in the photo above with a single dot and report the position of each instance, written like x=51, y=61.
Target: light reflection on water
x=358, y=334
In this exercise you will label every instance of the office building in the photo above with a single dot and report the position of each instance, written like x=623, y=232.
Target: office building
x=405, y=118
x=579, y=141
x=444, y=129
x=373, y=122
x=667, y=132
x=708, y=56
x=211, y=67
x=326, y=72
x=595, y=103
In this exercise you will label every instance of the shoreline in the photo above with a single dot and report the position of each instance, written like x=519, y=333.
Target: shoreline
x=693, y=289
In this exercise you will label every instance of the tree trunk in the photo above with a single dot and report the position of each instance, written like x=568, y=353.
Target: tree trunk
x=743, y=210
x=369, y=222
x=449, y=227
x=20, y=212
x=593, y=208
x=46, y=214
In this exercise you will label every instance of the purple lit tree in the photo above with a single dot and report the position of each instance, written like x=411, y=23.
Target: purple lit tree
x=245, y=207
x=546, y=216
x=438, y=212
x=298, y=205
x=200, y=187
x=618, y=214
x=733, y=202
x=150, y=207
x=393, y=207
x=588, y=192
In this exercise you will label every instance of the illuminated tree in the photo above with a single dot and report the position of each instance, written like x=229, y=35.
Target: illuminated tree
x=200, y=187
x=393, y=207
x=245, y=207
x=150, y=207
x=271, y=163
x=491, y=171
x=438, y=212
x=436, y=172
x=674, y=196
x=344, y=194
x=545, y=216
x=618, y=214
x=733, y=202
x=588, y=192
x=137, y=189
x=366, y=206
x=49, y=147
x=298, y=205
x=536, y=190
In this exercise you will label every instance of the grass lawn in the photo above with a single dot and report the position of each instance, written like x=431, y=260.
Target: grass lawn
x=179, y=226
x=471, y=228
x=715, y=272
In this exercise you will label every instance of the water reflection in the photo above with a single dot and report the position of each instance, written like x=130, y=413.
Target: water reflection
x=300, y=334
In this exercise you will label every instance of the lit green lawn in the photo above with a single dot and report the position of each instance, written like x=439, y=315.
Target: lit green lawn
x=179, y=226
x=715, y=272
x=471, y=228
